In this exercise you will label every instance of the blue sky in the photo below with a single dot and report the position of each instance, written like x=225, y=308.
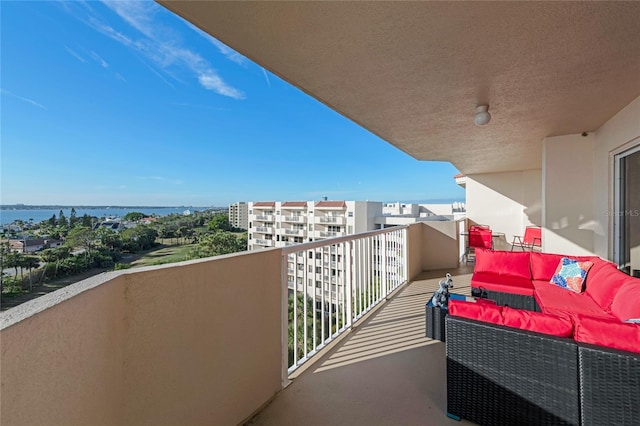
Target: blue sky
x=124, y=103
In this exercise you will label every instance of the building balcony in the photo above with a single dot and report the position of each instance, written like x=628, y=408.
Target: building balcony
x=294, y=219
x=329, y=234
x=264, y=217
x=333, y=220
x=263, y=242
x=296, y=232
x=176, y=344
x=264, y=229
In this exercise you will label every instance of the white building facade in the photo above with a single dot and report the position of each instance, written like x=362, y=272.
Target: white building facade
x=239, y=215
x=281, y=224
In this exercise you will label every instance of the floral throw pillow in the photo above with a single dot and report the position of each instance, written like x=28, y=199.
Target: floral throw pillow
x=570, y=274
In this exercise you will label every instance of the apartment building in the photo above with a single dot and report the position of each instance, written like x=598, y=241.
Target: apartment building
x=281, y=224
x=239, y=215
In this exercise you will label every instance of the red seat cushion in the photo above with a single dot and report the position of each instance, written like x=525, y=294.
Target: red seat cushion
x=626, y=303
x=505, y=263
x=502, y=284
x=556, y=300
x=603, y=282
x=610, y=333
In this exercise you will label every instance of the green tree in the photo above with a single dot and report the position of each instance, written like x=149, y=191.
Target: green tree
x=30, y=262
x=220, y=243
x=82, y=237
x=220, y=222
x=53, y=220
x=72, y=217
x=134, y=216
x=55, y=255
x=109, y=238
x=62, y=219
x=139, y=238
x=86, y=220
x=5, y=251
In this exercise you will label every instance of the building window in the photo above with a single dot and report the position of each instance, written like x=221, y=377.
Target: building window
x=350, y=214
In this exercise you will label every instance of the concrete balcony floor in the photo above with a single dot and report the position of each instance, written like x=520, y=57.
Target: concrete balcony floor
x=385, y=372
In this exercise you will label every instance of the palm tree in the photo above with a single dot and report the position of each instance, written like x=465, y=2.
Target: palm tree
x=30, y=262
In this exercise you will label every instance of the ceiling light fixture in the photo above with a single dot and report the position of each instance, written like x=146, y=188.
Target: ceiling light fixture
x=482, y=115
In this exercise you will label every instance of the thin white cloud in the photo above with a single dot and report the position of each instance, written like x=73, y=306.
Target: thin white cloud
x=98, y=59
x=228, y=52
x=22, y=98
x=74, y=54
x=161, y=45
x=213, y=82
x=119, y=76
x=266, y=76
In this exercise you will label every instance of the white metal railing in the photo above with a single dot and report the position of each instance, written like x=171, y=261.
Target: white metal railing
x=264, y=229
x=294, y=218
x=328, y=303
x=263, y=242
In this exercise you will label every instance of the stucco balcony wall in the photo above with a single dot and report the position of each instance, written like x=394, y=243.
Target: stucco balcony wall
x=193, y=343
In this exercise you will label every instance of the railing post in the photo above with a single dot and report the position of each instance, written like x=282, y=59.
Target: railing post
x=348, y=285
x=383, y=266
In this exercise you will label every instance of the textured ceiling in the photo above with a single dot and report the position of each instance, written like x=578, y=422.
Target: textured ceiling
x=413, y=72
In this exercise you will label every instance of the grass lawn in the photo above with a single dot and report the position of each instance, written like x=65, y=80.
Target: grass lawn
x=164, y=255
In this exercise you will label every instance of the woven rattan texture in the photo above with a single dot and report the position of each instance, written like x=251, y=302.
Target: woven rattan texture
x=502, y=376
x=609, y=386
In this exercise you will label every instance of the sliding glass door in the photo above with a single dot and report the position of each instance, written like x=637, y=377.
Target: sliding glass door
x=627, y=214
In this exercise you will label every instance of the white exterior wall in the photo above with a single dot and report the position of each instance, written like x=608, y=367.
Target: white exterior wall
x=579, y=185
x=568, y=196
x=619, y=134
x=508, y=202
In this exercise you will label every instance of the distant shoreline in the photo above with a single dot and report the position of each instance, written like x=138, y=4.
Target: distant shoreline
x=85, y=207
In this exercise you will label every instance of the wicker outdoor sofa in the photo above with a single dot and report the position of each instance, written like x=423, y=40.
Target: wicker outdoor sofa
x=559, y=362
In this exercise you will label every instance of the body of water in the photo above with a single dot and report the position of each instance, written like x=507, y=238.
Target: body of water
x=38, y=215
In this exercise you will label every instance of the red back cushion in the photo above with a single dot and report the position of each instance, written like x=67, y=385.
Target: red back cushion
x=626, y=303
x=543, y=265
x=603, y=282
x=516, y=318
x=537, y=321
x=506, y=263
x=477, y=311
x=613, y=334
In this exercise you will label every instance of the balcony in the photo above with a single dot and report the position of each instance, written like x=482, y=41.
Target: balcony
x=161, y=344
x=329, y=234
x=297, y=232
x=334, y=220
x=294, y=219
x=265, y=217
x=264, y=229
x=263, y=242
